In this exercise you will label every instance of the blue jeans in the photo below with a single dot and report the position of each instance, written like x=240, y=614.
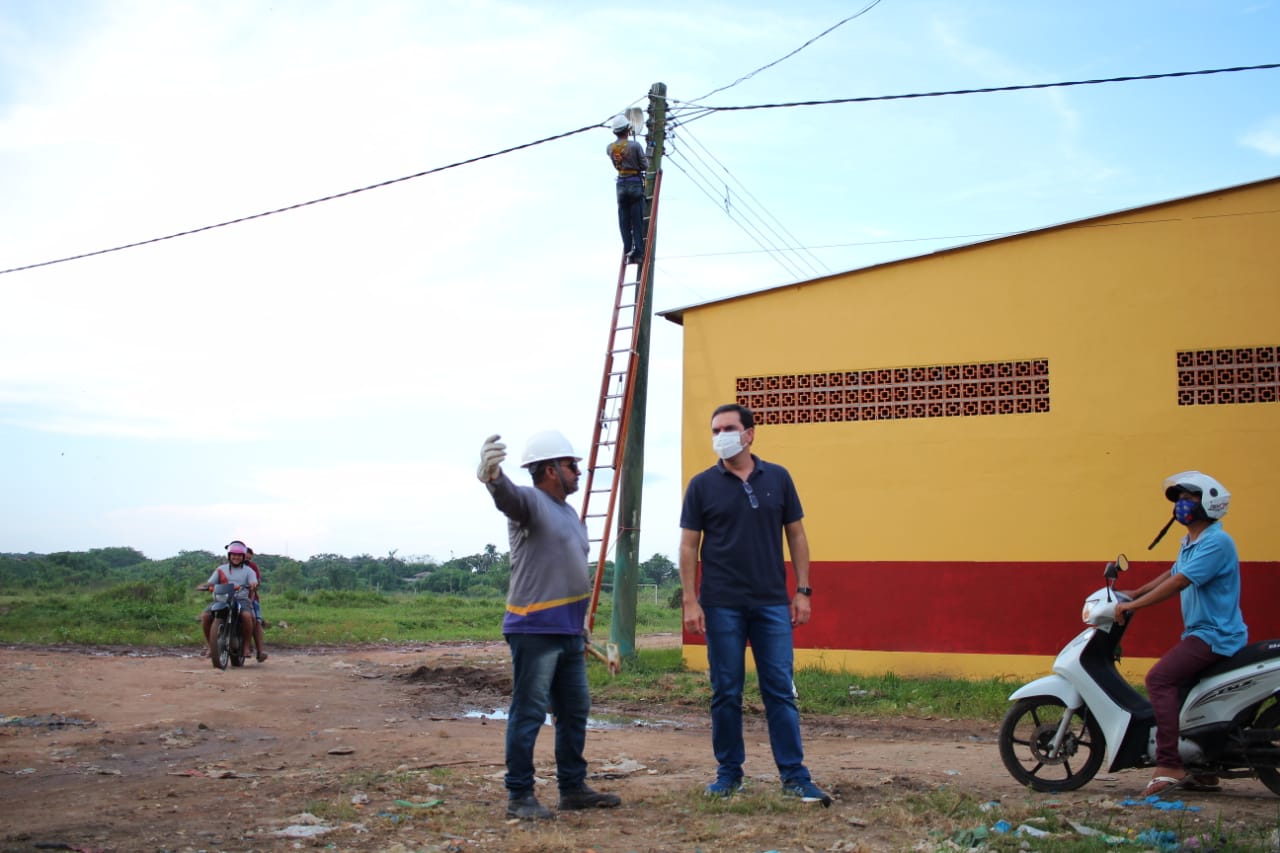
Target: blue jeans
x=631, y=215
x=549, y=674
x=769, y=630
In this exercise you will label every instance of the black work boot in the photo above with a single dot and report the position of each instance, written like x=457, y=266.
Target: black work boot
x=585, y=798
x=527, y=807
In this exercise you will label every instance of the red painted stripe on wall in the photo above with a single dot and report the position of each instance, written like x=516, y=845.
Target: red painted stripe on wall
x=996, y=608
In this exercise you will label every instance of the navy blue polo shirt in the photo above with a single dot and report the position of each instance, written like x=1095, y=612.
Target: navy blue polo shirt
x=741, y=553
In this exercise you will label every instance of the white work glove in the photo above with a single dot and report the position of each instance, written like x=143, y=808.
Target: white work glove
x=492, y=452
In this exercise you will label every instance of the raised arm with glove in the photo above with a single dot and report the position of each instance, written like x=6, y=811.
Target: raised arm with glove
x=492, y=452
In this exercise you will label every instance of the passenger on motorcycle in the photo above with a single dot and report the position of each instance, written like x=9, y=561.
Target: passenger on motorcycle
x=1207, y=577
x=234, y=571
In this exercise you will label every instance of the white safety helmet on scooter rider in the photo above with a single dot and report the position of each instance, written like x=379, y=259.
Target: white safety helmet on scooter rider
x=545, y=446
x=1214, y=497
x=619, y=123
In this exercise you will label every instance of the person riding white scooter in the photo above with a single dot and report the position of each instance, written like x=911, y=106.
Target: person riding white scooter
x=1206, y=575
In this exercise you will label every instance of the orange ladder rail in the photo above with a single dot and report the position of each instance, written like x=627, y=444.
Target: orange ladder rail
x=609, y=434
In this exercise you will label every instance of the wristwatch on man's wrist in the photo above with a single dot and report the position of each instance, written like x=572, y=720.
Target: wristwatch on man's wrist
x=804, y=590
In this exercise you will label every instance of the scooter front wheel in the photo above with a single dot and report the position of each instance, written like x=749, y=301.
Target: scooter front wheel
x=223, y=644
x=1026, y=745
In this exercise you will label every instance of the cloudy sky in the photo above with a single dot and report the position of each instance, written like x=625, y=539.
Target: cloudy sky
x=320, y=380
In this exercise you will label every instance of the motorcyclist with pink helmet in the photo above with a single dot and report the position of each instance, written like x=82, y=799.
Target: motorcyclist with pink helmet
x=234, y=571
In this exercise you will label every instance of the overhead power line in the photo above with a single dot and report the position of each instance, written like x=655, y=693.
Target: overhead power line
x=789, y=240
x=864, y=10
x=743, y=208
x=981, y=235
x=748, y=227
x=301, y=204
x=701, y=110
x=691, y=113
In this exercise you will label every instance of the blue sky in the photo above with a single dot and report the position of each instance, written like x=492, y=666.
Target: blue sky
x=320, y=381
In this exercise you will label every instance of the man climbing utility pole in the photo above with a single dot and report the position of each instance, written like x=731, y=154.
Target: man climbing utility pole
x=626, y=569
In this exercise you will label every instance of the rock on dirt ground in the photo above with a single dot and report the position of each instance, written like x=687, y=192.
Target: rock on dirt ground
x=400, y=749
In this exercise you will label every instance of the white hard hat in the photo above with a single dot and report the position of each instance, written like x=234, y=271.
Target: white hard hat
x=619, y=123
x=1214, y=496
x=545, y=445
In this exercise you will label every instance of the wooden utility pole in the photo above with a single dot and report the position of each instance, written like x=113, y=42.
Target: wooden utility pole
x=626, y=566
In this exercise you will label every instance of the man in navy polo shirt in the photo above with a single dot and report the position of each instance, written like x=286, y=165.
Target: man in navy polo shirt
x=734, y=517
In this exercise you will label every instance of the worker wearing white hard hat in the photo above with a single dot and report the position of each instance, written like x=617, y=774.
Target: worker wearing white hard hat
x=547, y=601
x=631, y=163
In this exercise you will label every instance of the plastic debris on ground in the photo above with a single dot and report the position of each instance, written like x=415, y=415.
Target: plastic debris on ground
x=1163, y=805
x=966, y=838
x=1027, y=829
x=1090, y=832
x=297, y=830
x=1164, y=840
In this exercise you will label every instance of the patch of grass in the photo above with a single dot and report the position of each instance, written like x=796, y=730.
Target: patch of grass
x=954, y=820
x=163, y=615
x=872, y=696
x=653, y=675
x=334, y=810
x=660, y=675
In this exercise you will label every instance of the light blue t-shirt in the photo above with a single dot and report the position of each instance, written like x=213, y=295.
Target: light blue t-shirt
x=1211, y=604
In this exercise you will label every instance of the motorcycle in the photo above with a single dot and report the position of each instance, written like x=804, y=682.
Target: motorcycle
x=1066, y=726
x=228, y=627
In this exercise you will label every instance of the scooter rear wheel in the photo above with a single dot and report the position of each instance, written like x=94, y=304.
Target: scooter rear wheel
x=1269, y=719
x=1026, y=736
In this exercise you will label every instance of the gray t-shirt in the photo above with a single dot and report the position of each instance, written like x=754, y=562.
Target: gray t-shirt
x=243, y=577
x=550, y=586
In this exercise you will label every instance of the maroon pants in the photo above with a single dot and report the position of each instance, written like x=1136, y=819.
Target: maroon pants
x=1180, y=665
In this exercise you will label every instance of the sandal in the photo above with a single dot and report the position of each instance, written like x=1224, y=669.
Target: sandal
x=1203, y=783
x=1159, y=784
x=262, y=656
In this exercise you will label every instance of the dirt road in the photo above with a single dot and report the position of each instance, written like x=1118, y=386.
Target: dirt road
x=397, y=749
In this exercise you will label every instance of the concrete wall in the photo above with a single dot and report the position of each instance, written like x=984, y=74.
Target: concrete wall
x=965, y=544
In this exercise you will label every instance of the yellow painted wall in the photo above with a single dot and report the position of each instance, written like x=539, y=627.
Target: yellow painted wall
x=1109, y=302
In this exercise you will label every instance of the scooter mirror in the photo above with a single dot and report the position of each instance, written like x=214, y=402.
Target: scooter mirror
x=1113, y=570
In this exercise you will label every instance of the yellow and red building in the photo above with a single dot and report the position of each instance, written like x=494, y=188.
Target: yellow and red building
x=974, y=433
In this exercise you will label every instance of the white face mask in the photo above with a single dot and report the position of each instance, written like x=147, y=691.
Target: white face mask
x=727, y=444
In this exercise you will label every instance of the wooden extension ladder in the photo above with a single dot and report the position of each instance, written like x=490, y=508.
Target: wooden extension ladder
x=609, y=435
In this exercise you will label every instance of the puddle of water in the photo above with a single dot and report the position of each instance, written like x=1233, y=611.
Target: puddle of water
x=490, y=715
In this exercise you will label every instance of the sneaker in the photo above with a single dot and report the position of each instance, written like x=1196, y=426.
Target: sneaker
x=527, y=807
x=586, y=798
x=807, y=792
x=723, y=788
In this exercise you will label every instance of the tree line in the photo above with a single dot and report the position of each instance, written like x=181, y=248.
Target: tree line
x=484, y=574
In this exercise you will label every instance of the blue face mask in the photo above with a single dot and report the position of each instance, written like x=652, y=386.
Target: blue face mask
x=1185, y=510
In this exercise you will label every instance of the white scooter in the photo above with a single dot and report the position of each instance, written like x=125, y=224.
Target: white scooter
x=1064, y=727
